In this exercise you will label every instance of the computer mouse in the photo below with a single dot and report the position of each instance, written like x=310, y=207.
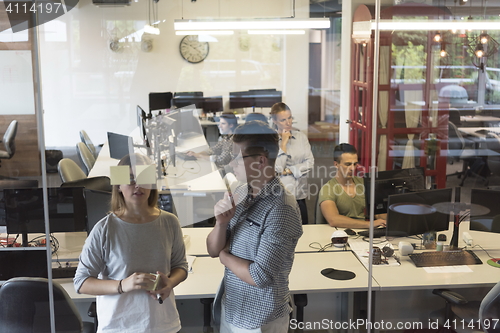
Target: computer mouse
x=350, y=232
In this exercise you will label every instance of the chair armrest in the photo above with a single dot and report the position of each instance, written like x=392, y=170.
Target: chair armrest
x=92, y=312
x=450, y=296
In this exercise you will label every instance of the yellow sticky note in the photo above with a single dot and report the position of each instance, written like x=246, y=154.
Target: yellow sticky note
x=145, y=174
x=120, y=174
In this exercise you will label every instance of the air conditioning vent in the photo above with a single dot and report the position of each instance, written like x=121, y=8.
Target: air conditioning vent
x=109, y=3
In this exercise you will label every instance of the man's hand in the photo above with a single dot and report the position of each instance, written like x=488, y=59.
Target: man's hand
x=379, y=223
x=224, y=209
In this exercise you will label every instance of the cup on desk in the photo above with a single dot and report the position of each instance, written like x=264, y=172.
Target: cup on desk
x=429, y=240
x=153, y=285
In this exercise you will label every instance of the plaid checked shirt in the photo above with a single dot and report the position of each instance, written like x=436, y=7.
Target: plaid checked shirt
x=264, y=230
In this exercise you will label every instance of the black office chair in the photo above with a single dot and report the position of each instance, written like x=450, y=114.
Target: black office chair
x=101, y=183
x=457, y=307
x=25, y=308
x=9, y=141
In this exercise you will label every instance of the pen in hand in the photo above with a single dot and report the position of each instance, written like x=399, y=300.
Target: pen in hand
x=158, y=297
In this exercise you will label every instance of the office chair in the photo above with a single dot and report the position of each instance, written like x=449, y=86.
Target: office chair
x=256, y=116
x=457, y=307
x=9, y=141
x=85, y=156
x=69, y=170
x=492, y=141
x=25, y=308
x=318, y=215
x=86, y=140
x=100, y=183
x=457, y=142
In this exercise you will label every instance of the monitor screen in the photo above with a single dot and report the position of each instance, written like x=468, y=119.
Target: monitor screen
x=241, y=99
x=402, y=225
x=119, y=145
x=160, y=101
x=24, y=210
x=98, y=205
x=182, y=99
x=13, y=261
x=213, y=104
x=490, y=199
x=13, y=183
x=392, y=182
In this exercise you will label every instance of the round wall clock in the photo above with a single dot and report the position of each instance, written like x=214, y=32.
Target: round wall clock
x=193, y=50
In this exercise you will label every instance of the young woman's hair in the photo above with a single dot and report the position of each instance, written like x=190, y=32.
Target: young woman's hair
x=277, y=108
x=231, y=119
x=343, y=148
x=117, y=201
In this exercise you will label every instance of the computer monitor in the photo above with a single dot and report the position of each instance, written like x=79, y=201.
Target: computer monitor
x=392, y=182
x=98, y=205
x=490, y=199
x=160, y=101
x=23, y=262
x=13, y=183
x=24, y=211
x=213, y=104
x=182, y=99
x=241, y=99
x=119, y=145
x=402, y=225
x=266, y=97
x=188, y=123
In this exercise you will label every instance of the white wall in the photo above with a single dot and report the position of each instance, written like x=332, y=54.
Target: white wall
x=87, y=86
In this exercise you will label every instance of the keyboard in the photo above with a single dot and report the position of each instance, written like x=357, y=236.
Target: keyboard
x=185, y=157
x=447, y=258
x=377, y=233
x=63, y=272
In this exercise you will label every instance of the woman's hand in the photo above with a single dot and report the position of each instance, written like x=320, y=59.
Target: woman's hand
x=165, y=287
x=285, y=136
x=138, y=281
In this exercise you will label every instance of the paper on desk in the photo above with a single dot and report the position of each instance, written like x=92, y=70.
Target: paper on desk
x=190, y=260
x=449, y=269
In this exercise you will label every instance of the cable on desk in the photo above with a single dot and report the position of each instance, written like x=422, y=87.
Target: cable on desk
x=193, y=172
x=319, y=247
x=489, y=255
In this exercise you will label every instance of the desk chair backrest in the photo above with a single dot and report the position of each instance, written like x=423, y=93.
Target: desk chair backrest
x=490, y=308
x=86, y=140
x=25, y=307
x=9, y=139
x=69, y=170
x=455, y=139
x=318, y=215
x=256, y=116
x=85, y=156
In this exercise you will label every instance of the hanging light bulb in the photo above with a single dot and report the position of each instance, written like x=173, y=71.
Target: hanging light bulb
x=483, y=38
x=479, y=51
x=437, y=37
x=442, y=53
x=453, y=31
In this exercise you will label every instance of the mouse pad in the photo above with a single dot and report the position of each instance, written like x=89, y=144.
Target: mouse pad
x=338, y=274
x=495, y=262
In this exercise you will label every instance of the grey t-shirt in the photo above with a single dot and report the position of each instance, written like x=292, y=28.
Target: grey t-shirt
x=114, y=250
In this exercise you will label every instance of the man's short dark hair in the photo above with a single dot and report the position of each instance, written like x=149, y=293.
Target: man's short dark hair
x=343, y=148
x=259, y=138
x=230, y=118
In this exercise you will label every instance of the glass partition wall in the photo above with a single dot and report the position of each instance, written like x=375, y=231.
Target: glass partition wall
x=435, y=91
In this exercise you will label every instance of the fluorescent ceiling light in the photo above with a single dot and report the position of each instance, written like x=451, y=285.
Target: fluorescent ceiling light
x=151, y=30
x=435, y=25
x=251, y=24
x=276, y=32
x=204, y=32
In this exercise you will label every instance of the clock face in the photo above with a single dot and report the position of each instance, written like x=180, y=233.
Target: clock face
x=192, y=50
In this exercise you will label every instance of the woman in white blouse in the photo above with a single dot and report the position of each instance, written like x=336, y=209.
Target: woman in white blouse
x=295, y=158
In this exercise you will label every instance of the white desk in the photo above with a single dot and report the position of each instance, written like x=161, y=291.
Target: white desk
x=478, y=119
